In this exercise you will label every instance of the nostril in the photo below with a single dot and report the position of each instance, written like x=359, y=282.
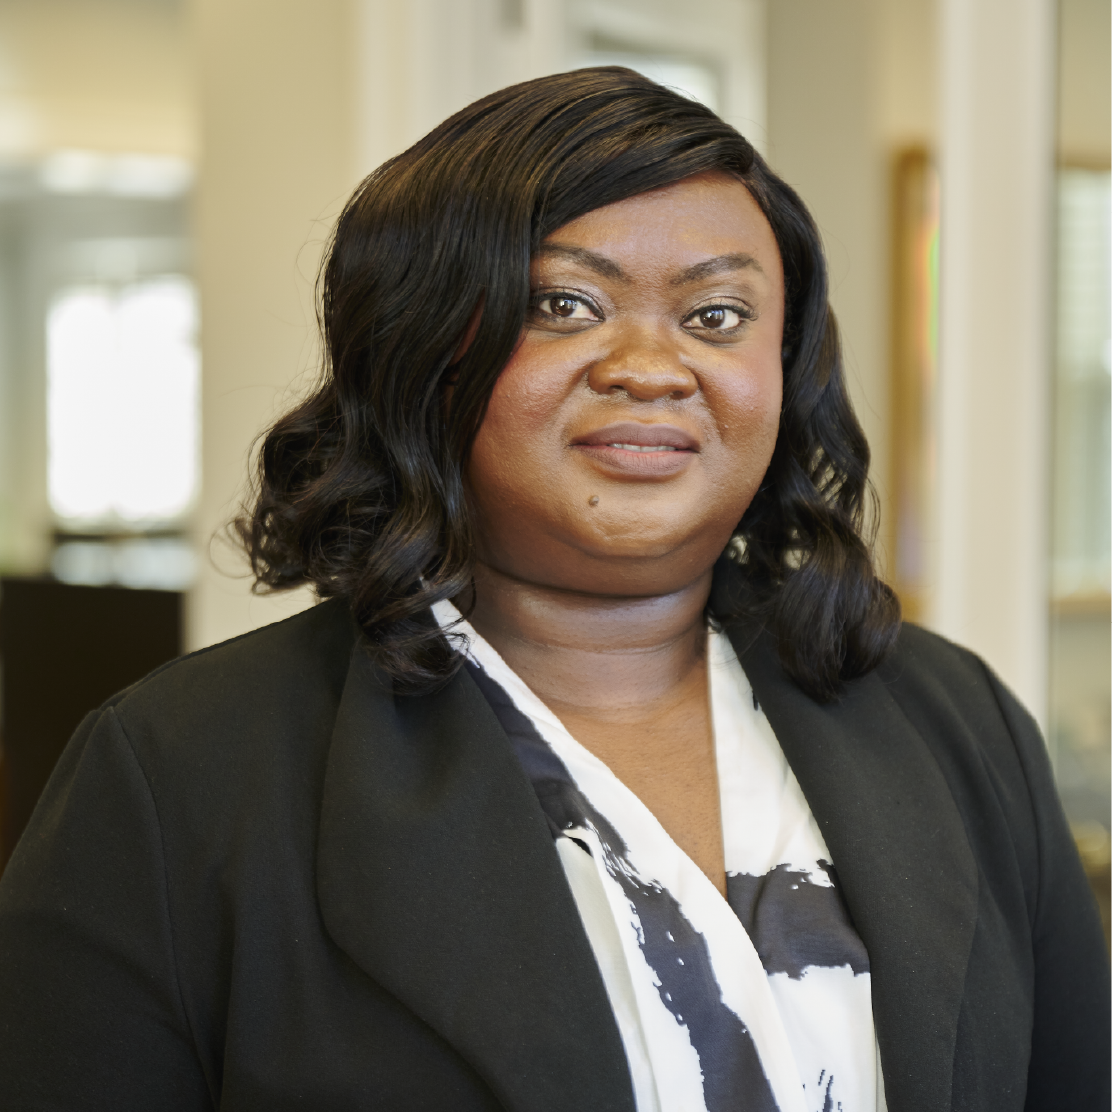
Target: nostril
x=644, y=374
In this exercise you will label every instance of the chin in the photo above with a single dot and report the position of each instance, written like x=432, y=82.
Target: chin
x=662, y=564
x=631, y=533
x=636, y=547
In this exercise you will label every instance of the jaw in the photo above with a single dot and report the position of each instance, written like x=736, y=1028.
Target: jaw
x=568, y=524
x=651, y=523
x=600, y=564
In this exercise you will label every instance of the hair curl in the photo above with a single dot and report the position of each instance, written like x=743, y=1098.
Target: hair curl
x=359, y=489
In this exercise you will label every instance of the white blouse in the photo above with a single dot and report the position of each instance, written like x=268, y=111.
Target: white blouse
x=759, y=1001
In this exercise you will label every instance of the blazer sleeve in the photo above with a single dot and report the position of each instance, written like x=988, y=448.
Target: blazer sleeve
x=1069, y=1065
x=91, y=1015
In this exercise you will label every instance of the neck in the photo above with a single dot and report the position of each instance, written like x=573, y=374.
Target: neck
x=594, y=653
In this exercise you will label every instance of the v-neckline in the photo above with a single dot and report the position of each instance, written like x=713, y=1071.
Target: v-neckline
x=742, y=978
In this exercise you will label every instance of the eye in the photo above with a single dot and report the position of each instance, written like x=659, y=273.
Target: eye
x=565, y=306
x=717, y=318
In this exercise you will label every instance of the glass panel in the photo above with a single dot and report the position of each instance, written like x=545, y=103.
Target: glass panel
x=1080, y=655
x=164, y=563
x=122, y=382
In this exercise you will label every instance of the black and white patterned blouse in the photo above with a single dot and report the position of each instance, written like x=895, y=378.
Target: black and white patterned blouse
x=760, y=1001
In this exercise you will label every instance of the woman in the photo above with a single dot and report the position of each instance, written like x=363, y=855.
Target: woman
x=605, y=778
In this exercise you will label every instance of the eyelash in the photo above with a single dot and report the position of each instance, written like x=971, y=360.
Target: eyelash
x=538, y=299
x=743, y=311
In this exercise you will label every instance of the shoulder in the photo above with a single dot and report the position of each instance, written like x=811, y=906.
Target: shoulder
x=962, y=708
x=919, y=654
x=939, y=683
x=986, y=744
x=278, y=662
x=260, y=705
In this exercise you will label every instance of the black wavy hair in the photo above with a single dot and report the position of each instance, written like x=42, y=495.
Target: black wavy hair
x=359, y=490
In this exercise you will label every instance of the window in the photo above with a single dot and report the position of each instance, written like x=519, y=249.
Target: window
x=1080, y=552
x=1083, y=449
x=122, y=404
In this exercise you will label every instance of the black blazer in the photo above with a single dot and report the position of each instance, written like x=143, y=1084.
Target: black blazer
x=258, y=880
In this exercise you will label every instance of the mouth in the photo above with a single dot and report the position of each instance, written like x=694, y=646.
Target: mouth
x=644, y=447
x=641, y=450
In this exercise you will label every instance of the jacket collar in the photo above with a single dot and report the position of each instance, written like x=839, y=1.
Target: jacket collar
x=902, y=858
x=436, y=875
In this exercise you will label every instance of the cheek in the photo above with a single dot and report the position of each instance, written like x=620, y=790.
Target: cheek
x=527, y=397
x=513, y=442
x=749, y=408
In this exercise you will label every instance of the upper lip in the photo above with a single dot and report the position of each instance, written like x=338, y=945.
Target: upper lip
x=646, y=436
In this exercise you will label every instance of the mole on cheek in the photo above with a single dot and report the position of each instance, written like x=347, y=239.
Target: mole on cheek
x=593, y=500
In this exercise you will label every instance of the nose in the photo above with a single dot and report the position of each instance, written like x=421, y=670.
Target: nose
x=643, y=365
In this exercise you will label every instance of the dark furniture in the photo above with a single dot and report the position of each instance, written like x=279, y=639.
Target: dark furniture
x=64, y=649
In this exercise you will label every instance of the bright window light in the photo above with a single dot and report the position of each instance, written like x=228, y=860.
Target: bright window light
x=122, y=406
x=1082, y=551
x=159, y=563
x=125, y=175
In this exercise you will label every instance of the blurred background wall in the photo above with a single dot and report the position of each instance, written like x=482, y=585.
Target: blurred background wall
x=170, y=170
x=1078, y=646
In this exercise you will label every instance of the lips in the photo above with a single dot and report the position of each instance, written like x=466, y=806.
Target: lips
x=638, y=449
x=634, y=435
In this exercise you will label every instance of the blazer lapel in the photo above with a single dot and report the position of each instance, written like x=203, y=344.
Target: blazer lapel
x=437, y=876
x=902, y=857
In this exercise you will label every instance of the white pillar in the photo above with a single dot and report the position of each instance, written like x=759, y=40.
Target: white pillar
x=997, y=158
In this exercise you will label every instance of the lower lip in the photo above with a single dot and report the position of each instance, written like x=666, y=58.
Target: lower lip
x=641, y=464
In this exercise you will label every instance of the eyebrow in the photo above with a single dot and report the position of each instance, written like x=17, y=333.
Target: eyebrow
x=720, y=264
x=600, y=264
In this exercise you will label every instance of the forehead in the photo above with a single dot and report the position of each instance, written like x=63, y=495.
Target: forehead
x=707, y=214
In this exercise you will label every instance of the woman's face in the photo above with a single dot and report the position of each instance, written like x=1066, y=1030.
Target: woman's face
x=635, y=421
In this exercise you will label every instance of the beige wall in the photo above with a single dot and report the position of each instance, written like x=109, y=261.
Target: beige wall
x=277, y=160
x=851, y=81
x=907, y=80
x=108, y=75
x=1084, y=101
